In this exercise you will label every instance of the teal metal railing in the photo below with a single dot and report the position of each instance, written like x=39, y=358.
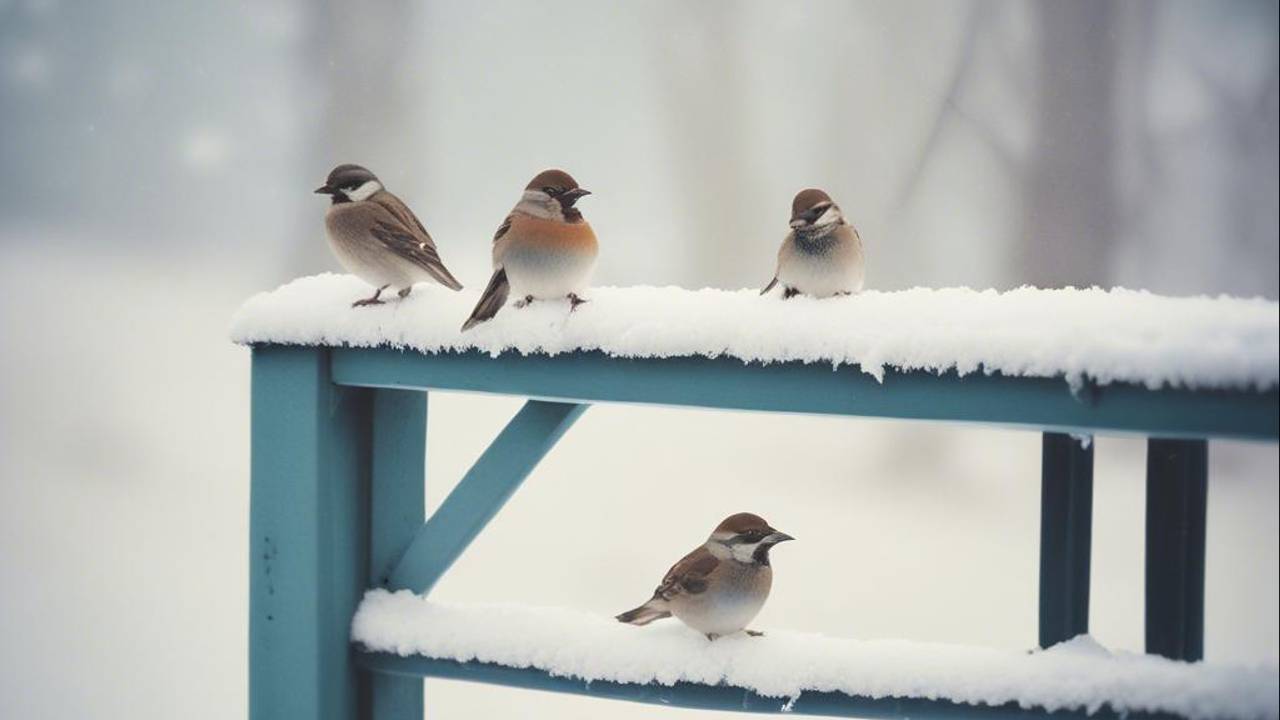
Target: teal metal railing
x=338, y=457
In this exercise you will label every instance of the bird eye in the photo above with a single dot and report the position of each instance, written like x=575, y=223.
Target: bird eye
x=551, y=190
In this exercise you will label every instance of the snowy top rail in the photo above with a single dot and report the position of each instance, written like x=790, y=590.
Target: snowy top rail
x=1076, y=675
x=1103, y=336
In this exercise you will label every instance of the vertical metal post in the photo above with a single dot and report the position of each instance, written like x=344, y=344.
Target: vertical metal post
x=396, y=513
x=308, y=535
x=1177, y=499
x=1066, y=528
x=483, y=491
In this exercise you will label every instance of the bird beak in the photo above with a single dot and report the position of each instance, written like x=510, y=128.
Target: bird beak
x=569, y=197
x=778, y=537
x=324, y=190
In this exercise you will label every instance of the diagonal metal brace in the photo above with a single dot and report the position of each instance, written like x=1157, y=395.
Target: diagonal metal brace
x=482, y=492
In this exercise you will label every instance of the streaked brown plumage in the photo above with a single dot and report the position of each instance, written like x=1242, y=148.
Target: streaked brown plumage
x=822, y=255
x=543, y=250
x=719, y=587
x=377, y=237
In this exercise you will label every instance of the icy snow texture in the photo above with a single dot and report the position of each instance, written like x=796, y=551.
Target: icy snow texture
x=1076, y=674
x=1105, y=335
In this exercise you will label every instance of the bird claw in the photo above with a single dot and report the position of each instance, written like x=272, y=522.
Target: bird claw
x=755, y=633
x=372, y=300
x=575, y=301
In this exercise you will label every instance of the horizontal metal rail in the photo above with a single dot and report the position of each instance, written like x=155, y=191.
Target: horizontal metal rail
x=729, y=383
x=724, y=697
x=337, y=502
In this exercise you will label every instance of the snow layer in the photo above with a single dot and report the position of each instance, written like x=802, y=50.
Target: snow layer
x=1076, y=674
x=1104, y=335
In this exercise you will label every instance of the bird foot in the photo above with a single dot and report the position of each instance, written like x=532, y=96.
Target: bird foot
x=755, y=633
x=575, y=301
x=712, y=636
x=524, y=302
x=404, y=292
x=789, y=293
x=371, y=300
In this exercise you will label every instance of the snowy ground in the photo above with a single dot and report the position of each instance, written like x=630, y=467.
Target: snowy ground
x=124, y=500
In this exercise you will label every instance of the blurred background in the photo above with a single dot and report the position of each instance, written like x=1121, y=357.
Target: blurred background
x=156, y=167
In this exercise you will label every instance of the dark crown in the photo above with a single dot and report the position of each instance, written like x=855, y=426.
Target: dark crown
x=806, y=199
x=742, y=522
x=349, y=176
x=552, y=178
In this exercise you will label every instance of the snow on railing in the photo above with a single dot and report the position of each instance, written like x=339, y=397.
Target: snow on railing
x=339, y=442
x=1103, y=335
x=1078, y=675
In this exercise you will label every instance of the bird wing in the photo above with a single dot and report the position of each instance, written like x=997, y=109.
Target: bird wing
x=499, y=247
x=689, y=575
x=397, y=228
x=778, y=271
x=502, y=229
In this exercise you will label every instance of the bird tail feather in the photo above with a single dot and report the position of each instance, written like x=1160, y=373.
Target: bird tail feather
x=491, y=300
x=644, y=614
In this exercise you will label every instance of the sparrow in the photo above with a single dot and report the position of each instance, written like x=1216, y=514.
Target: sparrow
x=719, y=587
x=544, y=250
x=377, y=237
x=822, y=255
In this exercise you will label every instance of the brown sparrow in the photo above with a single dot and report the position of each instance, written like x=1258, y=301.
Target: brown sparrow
x=719, y=587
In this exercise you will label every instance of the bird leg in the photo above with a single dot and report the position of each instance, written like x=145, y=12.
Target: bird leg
x=404, y=292
x=755, y=633
x=789, y=293
x=371, y=300
x=574, y=301
x=712, y=636
x=524, y=302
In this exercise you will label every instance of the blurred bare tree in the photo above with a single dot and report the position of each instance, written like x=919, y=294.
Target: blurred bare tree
x=361, y=54
x=703, y=112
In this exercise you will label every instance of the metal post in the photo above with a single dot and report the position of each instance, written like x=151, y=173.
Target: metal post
x=308, y=535
x=1177, y=498
x=1066, y=527
x=396, y=513
x=483, y=491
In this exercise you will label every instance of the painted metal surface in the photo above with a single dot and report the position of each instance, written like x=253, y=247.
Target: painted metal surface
x=308, y=535
x=1066, y=528
x=1177, y=504
x=483, y=491
x=396, y=512
x=722, y=697
x=338, y=440
x=1039, y=403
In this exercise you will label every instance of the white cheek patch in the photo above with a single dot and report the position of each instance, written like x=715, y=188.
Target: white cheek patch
x=831, y=215
x=364, y=191
x=539, y=204
x=744, y=552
